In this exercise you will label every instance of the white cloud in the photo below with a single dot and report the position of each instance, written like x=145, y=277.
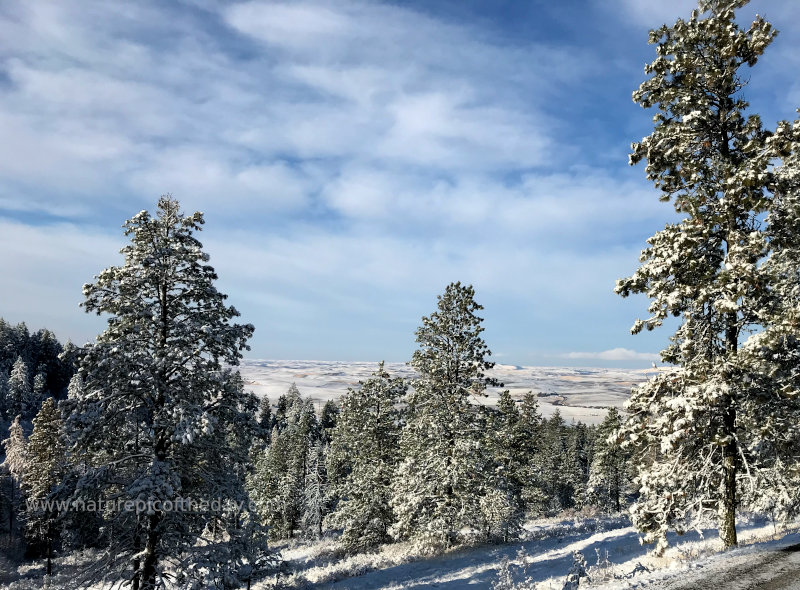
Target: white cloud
x=651, y=15
x=615, y=354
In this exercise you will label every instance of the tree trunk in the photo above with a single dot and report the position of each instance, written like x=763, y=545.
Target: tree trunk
x=727, y=516
x=727, y=508
x=49, y=553
x=150, y=556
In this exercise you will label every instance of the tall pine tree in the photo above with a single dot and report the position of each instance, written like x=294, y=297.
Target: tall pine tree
x=157, y=417
x=443, y=473
x=692, y=427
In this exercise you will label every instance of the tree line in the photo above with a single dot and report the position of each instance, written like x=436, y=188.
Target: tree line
x=374, y=468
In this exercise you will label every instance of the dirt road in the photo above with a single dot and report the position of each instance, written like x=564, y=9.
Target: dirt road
x=772, y=570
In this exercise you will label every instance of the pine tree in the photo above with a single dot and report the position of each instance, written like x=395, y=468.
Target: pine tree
x=158, y=416
x=609, y=474
x=20, y=393
x=552, y=462
x=580, y=444
x=45, y=468
x=711, y=162
x=278, y=483
x=4, y=399
x=40, y=391
x=315, y=494
x=528, y=431
x=362, y=459
x=328, y=418
x=696, y=429
x=502, y=504
x=16, y=450
x=265, y=419
x=442, y=474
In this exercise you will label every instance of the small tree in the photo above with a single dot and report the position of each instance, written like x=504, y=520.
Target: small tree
x=265, y=421
x=363, y=458
x=278, y=482
x=45, y=468
x=609, y=474
x=20, y=393
x=16, y=449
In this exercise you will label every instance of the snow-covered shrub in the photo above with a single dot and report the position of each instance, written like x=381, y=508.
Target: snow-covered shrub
x=576, y=572
x=508, y=572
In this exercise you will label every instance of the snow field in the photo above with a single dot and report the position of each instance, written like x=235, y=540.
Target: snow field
x=611, y=546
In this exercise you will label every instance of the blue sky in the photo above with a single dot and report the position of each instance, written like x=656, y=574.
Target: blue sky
x=352, y=158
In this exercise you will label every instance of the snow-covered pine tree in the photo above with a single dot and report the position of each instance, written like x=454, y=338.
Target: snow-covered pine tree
x=529, y=433
x=16, y=450
x=265, y=419
x=327, y=419
x=580, y=447
x=712, y=161
x=45, y=468
x=315, y=494
x=502, y=505
x=442, y=474
x=278, y=482
x=20, y=393
x=4, y=413
x=40, y=391
x=154, y=420
x=553, y=465
x=609, y=474
x=363, y=456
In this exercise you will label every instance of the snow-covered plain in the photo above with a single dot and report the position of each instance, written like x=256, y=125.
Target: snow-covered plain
x=580, y=394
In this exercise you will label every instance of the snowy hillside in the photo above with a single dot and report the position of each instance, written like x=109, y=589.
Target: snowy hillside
x=615, y=559
x=580, y=394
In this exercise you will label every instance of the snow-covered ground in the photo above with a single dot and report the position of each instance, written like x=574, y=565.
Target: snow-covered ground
x=579, y=394
x=547, y=554
x=768, y=558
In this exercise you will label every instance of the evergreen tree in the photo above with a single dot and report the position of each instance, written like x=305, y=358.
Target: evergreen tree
x=609, y=472
x=315, y=494
x=691, y=428
x=502, y=504
x=265, y=419
x=528, y=431
x=45, y=467
x=16, y=450
x=362, y=459
x=283, y=471
x=157, y=417
x=4, y=398
x=443, y=472
x=579, y=457
x=328, y=418
x=555, y=463
x=40, y=391
x=20, y=393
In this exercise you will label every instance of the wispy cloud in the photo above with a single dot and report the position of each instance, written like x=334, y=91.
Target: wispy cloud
x=352, y=158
